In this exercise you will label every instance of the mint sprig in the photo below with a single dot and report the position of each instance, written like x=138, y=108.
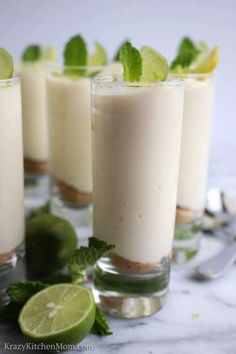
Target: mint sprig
x=85, y=257
x=117, y=54
x=132, y=63
x=75, y=55
x=187, y=52
x=100, y=326
x=31, y=53
x=21, y=291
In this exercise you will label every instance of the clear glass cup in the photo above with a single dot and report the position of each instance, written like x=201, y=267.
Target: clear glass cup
x=70, y=161
x=35, y=128
x=136, y=129
x=198, y=107
x=11, y=175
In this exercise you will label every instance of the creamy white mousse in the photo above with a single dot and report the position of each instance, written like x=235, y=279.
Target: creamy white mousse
x=70, y=132
x=34, y=109
x=198, y=104
x=11, y=176
x=136, y=144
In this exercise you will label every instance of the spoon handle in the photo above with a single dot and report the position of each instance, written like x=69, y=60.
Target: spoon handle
x=217, y=265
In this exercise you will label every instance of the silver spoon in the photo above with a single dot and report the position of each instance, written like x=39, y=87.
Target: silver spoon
x=219, y=264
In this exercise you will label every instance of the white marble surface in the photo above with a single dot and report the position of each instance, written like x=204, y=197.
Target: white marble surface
x=200, y=317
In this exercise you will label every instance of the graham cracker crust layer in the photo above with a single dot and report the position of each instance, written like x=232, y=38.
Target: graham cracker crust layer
x=33, y=166
x=5, y=257
x=130, y=267
x=73, y=195
x=184, y=215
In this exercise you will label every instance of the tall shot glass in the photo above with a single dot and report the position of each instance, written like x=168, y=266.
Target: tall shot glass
x=11, y=174
x=136, y=144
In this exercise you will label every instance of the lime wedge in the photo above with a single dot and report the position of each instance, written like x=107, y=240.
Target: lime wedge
x=99, y=57
x=205, y=62
x=49, y=53
x=62, y=313
x=154, y=65
x=6, y=65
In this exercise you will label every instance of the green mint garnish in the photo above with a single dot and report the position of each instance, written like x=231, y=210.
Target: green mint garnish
x=132, y=63
x=117, y=55
x=31, y=53
x=187, y=52
x=75, y=55
x=85, y=257
x=20, y=292
x=99, y=57
x=100, y=326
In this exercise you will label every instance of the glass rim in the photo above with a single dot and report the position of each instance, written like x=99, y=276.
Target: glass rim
x=80, y=67
x=12, y=80
x=192, y=75
x=118, y=82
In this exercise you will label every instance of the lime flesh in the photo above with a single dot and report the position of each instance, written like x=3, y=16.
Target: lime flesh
x=154, y=65
x=6, y=65
x=62, y=313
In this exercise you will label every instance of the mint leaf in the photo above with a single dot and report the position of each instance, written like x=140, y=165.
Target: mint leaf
x=117, y=55
x=132, y=63
x=31, y=53
x=20, y=292
x=100, y=326
x=99, y=57
x=187, y=52
x=85, y=257
x=75, y=54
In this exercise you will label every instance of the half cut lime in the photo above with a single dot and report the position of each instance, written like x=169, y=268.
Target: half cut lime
x=62, y=313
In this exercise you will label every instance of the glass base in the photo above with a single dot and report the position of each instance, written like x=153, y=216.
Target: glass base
x=36, y=186
x=130, y=295
x=184, y=250
x=78, y=216
x=11, y=259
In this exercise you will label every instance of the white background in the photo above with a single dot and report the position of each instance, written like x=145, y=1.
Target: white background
x=159, y=23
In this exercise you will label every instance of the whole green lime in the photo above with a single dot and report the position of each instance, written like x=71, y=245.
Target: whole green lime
x=50, y=243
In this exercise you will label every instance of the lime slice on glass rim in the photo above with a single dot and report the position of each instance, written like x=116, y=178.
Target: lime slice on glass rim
x=99, y=57
x=154, y=65
x=205, y=62
x=6, y=65
x=62, y=313
x=49, y=53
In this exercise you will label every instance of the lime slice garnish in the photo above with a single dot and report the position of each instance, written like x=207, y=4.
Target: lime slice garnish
x=49, y=53
x=205, y=62
x=99, y=57
x=154, y=65
x=6, y=65
x=62, y=313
